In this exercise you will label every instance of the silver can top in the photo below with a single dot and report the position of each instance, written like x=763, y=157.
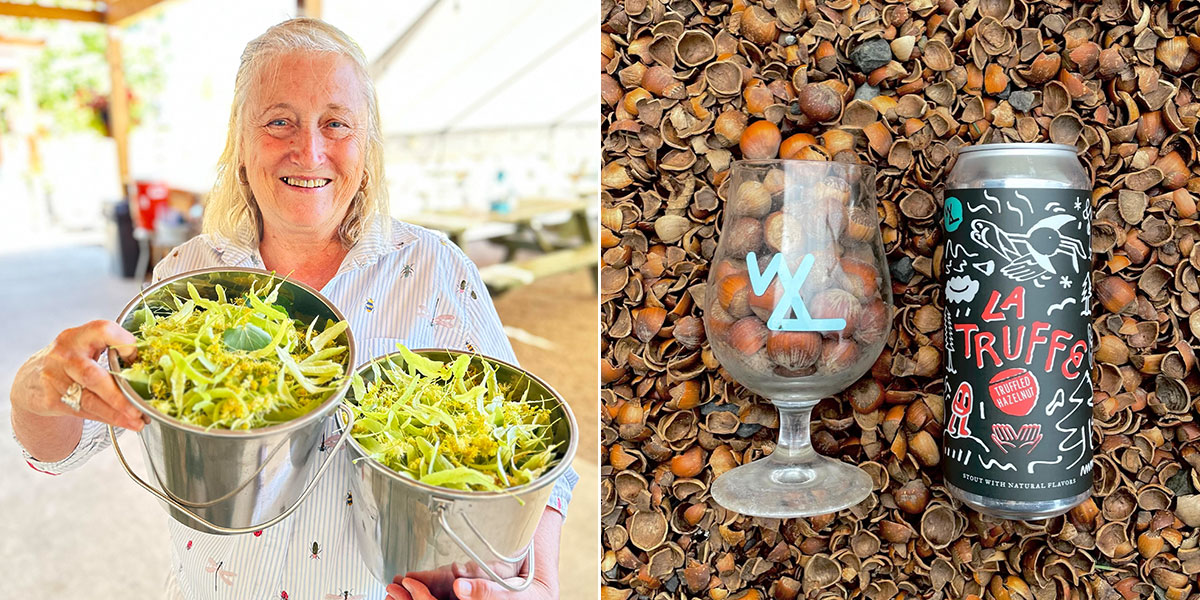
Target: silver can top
x=1017, y=146
x=1017, y=165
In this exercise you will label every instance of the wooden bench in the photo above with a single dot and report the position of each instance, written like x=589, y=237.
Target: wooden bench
x=502, y=277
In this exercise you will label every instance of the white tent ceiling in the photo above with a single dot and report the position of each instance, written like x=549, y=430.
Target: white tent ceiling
x=468, y=65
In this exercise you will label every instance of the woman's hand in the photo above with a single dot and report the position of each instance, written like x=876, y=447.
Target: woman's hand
x=43, y=381
x=542, y=588
x=474, y=589
x=475, y=586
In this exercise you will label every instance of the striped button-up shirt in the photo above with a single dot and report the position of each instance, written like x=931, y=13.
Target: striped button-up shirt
x=397, y=284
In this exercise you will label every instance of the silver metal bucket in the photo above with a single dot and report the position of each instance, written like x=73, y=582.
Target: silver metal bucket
x=405, y=526
x=226, y=482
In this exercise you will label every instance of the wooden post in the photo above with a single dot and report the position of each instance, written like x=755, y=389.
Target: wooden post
x=309, y=8
x=118, y=115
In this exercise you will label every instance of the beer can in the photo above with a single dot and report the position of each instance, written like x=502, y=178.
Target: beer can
x=1018, y=344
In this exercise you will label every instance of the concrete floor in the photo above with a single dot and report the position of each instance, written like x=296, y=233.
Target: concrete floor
x=92, y=533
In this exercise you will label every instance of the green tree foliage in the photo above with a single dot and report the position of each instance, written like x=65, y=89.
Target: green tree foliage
x=70, y=76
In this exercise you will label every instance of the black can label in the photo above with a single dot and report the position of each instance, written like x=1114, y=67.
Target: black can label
x=1017, y=265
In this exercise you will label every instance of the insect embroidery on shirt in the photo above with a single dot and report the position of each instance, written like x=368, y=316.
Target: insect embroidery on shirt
x=370, y=305
x=214, y=567
x=316, y=551
x=344, y=595
x=462, y=286
x=283, y=595
x=407, y=271
x=349, y=499
x=189, y=545
x=446, y=320
x=329, y=442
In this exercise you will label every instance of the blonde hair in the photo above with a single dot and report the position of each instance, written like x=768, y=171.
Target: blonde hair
x=231, y=201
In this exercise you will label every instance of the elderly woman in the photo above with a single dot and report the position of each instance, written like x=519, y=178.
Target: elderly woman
x=299, y=191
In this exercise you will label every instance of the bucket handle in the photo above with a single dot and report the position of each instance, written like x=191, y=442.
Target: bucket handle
x=112, y=434
x=441, y=508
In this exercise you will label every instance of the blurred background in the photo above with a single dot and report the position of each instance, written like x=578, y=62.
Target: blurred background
x=112, y=117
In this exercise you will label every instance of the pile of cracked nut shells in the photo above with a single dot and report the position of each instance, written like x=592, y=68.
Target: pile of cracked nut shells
x=689, y=86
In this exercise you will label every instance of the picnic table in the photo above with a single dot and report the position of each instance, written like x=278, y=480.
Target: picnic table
x=557, y=228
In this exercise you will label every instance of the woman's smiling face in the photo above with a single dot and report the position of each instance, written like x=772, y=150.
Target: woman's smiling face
x=303, y=138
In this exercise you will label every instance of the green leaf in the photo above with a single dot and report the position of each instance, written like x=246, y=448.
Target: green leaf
x=141, y=316
x=460, y=475
x=425, y=366
x=138, y=379
x=331, y=332
x=246, y=338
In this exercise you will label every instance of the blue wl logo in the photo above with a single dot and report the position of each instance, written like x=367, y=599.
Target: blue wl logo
x=790, y=299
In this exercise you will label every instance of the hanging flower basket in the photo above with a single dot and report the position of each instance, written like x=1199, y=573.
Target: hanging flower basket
x=98, y=104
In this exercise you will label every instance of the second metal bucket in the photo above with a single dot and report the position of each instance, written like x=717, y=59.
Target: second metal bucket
x=405, y=526
x=221, y=481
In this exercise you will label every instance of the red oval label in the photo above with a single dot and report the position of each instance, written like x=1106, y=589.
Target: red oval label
x=1014, y=391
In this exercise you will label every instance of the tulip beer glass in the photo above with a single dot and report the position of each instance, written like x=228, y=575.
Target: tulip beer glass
x=798, y=307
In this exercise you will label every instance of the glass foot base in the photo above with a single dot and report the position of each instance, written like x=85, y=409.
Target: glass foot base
x=815, y=486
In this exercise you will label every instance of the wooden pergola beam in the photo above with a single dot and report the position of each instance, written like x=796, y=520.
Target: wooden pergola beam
x=123, y=10
x=118, y=11
x=37, y=11
x=6, y=40
x=309, y=8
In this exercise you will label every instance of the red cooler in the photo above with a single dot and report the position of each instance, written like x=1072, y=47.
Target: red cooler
x=151, y=201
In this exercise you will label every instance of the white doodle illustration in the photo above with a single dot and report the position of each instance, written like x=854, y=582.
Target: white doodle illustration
x=1056, y=403
x=1058, y=208
x=988, y=197
x=960, y=455
x=1025, y=199
x=956, y=257
x=986, y=267
x=1078, y=439
x=992, y=463
x=1085, y=295
x=1028, y=254
x=950, y=368
x=955, y=250
x=961, y=289
x=1061, y=305
x=1016, y=211
x=1029, y=434
x=1033, y=463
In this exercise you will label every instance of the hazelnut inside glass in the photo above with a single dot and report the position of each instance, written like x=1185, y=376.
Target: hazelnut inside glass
x=799, y=307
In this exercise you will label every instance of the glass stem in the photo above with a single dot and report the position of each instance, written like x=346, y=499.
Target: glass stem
x=794, y=445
